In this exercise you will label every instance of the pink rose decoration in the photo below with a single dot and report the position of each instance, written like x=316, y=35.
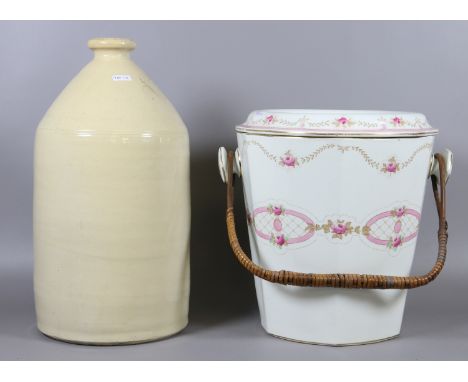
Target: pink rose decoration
x=269, y=119
x=397, y=120
x=400, y=212
x=277, y=210
x=396, y=242
x=280, y=240
x=289, y=160
x=391, y=167
x=342, y=120
x=339, y=229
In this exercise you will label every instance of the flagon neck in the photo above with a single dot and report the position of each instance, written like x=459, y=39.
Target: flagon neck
x=111, y=47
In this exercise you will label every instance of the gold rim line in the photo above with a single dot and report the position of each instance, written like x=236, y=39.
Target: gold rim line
x=315, y=134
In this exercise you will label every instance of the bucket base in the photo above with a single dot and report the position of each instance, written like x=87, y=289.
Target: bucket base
x=328, y=316
x=334, y=345
x=112, y=343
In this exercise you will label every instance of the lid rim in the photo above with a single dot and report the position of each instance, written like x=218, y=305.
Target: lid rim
x=336, y=123
x=335, y=134
x=335, y=112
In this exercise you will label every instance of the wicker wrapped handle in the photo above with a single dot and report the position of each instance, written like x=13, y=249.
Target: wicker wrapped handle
x=343, y=280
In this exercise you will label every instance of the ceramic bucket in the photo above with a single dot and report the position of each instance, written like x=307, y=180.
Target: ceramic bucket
x=337, y=193
x=111, y=207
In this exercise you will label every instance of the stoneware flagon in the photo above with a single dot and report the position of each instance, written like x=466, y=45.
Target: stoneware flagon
x=333, y=202
x=111, y=207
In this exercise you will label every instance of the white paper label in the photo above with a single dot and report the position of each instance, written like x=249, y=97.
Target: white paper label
x=121, y=77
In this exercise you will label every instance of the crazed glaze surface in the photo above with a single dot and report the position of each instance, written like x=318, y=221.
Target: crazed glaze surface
x=111, y=207
x=333, y=204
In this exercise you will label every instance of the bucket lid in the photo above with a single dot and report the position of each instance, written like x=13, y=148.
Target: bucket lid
x=336, y=123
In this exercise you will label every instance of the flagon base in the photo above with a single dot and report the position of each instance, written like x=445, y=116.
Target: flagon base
x=113, y=343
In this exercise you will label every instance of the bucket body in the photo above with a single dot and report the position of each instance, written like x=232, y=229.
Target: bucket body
x=333, y=205
x=111, y=207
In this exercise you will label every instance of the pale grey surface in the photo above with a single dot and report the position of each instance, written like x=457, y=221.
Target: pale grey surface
x=215, y=73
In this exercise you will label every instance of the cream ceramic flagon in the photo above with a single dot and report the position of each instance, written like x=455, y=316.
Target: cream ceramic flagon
x=333, y=192
x=111, y=207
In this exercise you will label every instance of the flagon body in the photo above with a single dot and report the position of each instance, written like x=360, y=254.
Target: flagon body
x=111, y=207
